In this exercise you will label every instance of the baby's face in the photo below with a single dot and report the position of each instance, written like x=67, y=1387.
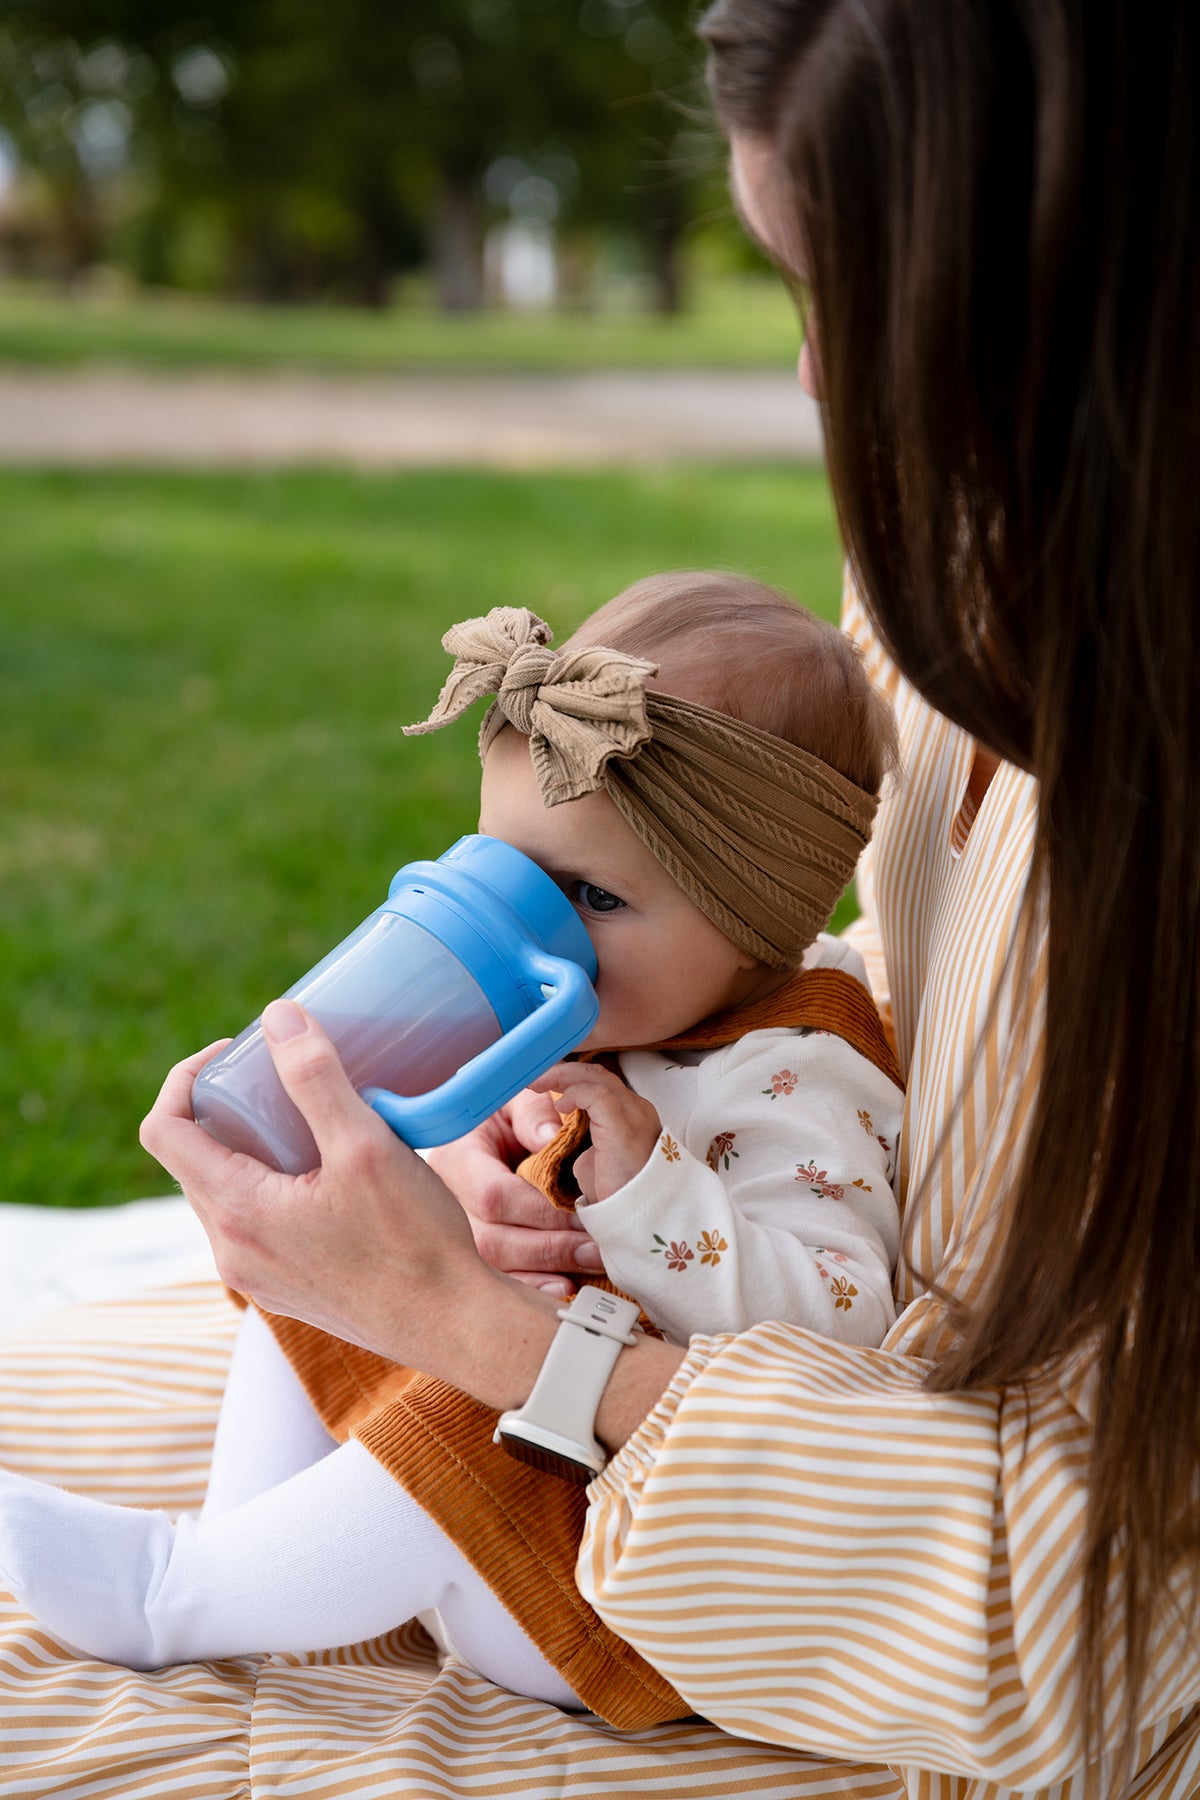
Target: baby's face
x=662, y=965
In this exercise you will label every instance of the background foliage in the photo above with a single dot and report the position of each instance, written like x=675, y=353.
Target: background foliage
x=293, y=149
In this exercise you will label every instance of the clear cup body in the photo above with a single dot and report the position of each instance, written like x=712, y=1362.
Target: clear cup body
x=400, y=1007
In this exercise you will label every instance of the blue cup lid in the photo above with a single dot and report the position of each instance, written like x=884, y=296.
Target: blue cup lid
x=547, y=913
x=490, y=904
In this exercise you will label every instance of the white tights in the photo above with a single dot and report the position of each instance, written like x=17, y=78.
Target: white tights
x=300, y=1545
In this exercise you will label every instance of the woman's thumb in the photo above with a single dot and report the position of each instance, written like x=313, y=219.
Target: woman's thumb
x=313, y=1078
x=534, y=1118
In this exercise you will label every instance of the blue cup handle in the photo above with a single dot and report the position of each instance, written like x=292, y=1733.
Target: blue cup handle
x=484, y=1084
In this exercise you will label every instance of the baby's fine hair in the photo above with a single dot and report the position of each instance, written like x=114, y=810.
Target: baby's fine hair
x=745, y=649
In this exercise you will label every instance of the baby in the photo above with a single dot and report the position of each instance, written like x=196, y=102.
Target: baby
x=697, y=768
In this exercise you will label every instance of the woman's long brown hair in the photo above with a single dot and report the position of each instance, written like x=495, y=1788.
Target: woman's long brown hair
x=999, y=202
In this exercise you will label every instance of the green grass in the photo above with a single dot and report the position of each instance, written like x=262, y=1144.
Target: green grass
x=204, y=782
x=736, y=322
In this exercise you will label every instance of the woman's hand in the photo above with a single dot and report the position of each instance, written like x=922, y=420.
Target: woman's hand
x=371, y=1246
x=516, y=1228
x=625, y=1129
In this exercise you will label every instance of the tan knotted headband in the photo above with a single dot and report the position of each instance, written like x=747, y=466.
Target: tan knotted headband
x=759, y=834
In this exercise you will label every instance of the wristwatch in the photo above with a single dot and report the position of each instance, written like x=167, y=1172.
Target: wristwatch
x=554, y=1430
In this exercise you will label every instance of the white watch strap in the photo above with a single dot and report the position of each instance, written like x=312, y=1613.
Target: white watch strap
x=555, y=1428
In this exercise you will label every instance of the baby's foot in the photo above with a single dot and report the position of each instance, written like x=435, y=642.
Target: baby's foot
x=85, y=1570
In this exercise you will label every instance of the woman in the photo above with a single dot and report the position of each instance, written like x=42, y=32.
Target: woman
x=965, y=1563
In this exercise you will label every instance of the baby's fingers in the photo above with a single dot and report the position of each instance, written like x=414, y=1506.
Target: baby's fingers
x=578, y=1084
x=613, y=1109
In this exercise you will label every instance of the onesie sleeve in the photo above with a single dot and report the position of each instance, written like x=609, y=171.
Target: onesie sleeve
x=773, y=1201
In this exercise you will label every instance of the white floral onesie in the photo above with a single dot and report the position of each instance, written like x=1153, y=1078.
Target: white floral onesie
x=769, y=1194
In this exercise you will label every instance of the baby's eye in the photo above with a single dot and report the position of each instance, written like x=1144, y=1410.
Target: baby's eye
x=596, y=899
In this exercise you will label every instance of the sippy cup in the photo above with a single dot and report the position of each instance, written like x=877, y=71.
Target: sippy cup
x=472, y=978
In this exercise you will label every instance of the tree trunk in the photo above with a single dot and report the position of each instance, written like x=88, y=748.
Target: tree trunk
x=457, y=246
x=376, y=249
x=666, y=237
x=372, y=276
x=80, y=232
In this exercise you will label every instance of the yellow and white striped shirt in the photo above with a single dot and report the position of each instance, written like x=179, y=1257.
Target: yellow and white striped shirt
x=812, y=1548
x=859, y=1581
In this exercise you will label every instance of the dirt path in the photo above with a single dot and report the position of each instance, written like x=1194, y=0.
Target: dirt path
x=124, y=416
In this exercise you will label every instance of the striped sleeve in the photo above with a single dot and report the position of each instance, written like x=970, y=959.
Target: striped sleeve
x=817, y=1552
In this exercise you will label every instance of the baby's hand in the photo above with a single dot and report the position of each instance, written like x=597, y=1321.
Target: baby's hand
x=625, y=1128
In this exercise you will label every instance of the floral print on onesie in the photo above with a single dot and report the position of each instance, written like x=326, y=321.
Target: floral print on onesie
x=769, y=1193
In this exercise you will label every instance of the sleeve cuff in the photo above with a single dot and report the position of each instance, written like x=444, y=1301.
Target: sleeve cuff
x=623, y=1216
x=635, y=1460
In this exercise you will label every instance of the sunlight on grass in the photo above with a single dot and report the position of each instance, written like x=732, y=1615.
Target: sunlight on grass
x=203, y=680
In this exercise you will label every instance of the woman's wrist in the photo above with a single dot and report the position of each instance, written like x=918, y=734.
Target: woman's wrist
x=503, y=1335
x=642, y=1376
x=490, y=1340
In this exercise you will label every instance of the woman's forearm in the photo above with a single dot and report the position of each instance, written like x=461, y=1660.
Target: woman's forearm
x=495, y=1343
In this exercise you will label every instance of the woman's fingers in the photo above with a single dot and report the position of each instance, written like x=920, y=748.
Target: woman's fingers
x=169, y=1131
x=175, y=1095
x=533, y=1118
x=562, y=1287
x=370, y=1246
x=516, y=1229
x=487, y=1189
x=538, y=1254
x=313, y=1078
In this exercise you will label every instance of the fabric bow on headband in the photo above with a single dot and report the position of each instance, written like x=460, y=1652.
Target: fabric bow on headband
x=576, y=707
x=759, y=834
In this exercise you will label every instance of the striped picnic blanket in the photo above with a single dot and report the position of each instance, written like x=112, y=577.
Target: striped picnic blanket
x=119, y=1399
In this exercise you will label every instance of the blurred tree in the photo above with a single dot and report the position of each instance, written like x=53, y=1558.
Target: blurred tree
x=328, y=147
x=52, y=110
